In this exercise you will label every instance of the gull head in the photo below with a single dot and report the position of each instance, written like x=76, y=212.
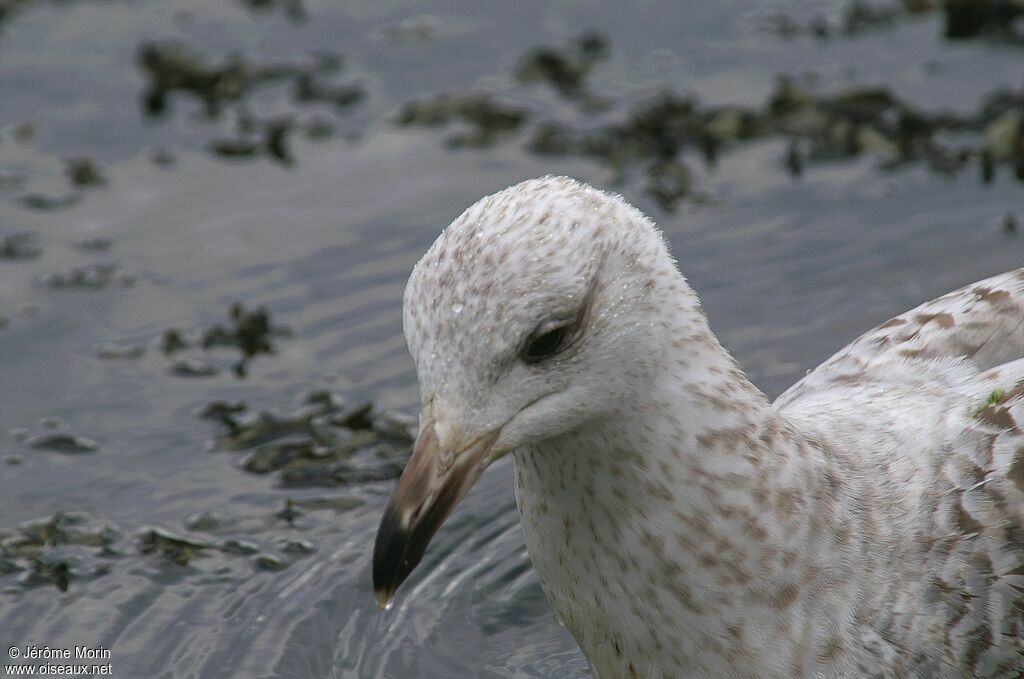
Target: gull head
x=537, y=311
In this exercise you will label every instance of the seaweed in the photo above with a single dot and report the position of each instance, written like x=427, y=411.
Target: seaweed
x=961, y=19
x=854, y=18
x=176, y=548
x=251, y=332
x=55, y=551
x=319, y=443
x=62, y=442
x=190, y=367
x=172, y=341
x=172, y=69
x=488, y=120
x=19, y=246
x=84, y=173
x=271, y=143
x=11, y=8
x=90, y=277
x=269, y=562
x=293, y=10
x=308, y=88
x=46, y=202
x=55, y=571
x=566, y=69
x=69, y=547
x=54, y=438
x=965, y=19
x=95, y=244
x=656, y=139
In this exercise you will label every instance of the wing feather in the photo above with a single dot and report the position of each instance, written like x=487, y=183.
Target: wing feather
x=963, y=354
x=981, y=324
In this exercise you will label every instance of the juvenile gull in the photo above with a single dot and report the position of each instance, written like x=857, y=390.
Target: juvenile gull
x=868, y=523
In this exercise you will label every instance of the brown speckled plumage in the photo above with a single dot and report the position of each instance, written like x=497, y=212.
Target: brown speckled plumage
x=869, y=523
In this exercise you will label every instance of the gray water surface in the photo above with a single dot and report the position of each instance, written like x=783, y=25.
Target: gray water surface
x=788, y=268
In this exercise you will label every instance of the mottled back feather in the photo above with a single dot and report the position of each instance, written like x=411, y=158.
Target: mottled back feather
x=964, y=615
x=982, y=323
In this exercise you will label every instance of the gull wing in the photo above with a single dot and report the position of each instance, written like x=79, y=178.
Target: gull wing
x=981, y=325
x=948, y=377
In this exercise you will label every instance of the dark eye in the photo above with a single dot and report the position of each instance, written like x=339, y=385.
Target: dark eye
x=546, y=345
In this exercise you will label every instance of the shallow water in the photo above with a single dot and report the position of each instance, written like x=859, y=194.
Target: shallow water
x=789, y=269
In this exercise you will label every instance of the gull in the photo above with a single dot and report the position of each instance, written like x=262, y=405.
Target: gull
x=867, y=523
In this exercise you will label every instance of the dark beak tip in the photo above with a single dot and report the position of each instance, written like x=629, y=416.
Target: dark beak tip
x=390, y=557
x=425, y=497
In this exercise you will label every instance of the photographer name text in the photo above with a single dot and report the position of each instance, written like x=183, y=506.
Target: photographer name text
x=53, y=653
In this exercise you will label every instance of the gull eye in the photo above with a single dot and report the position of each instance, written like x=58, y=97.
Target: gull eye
x=545, y=345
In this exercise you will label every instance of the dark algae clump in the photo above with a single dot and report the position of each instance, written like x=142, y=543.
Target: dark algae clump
x=69, y=547
x=658, y=138
x=56, y=551
x=46, y=202
x=172, y=69
x=177, y=549
x=485, y=119
x=320, y=443
x=566, y=70
x=90, y=277
x=19, y=246
x=972, y=18
x=84, y=173
x=295, y=10
x=250, y=332
x=61, y=442
x=961, y=19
